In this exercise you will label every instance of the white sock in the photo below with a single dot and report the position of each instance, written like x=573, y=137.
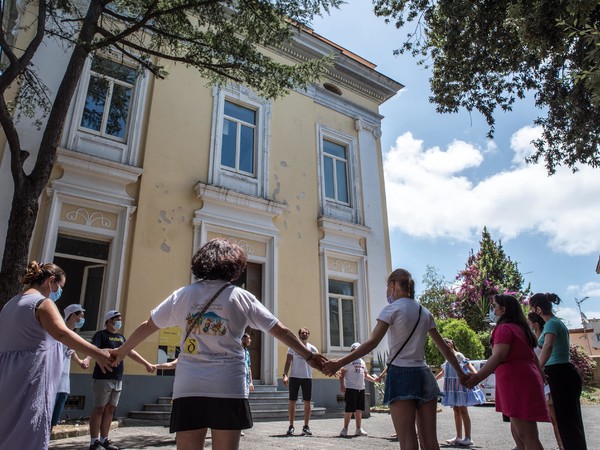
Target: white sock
x=93, y=440
x=103, y=439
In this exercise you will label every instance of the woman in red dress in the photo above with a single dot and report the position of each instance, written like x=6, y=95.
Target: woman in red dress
x=519, y=379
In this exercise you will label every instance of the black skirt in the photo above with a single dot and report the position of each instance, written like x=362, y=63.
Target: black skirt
x=195, y=413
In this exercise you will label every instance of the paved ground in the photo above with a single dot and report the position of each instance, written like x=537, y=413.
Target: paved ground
x=489, y=432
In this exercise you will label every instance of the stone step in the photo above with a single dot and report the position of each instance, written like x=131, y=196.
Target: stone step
x=163, y=417
x=266, y=403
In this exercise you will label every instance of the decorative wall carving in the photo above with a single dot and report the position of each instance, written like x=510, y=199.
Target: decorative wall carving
x=90, y=219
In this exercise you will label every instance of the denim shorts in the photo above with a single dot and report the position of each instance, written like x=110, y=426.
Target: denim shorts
x=410, y=383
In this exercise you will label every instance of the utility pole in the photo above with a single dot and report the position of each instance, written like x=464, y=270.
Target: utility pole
x=579, y=302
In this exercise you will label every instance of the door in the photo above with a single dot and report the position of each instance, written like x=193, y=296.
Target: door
x=252, y=281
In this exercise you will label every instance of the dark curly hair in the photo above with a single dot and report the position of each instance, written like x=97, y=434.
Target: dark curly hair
x=514, y=314
x=219, y=259
x=37, y=273
x=544, y=301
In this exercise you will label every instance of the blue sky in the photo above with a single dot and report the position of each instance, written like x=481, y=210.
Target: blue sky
x=445, y=180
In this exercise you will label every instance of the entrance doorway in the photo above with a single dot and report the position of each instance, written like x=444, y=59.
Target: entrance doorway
x=85, y=262
x=252, y=281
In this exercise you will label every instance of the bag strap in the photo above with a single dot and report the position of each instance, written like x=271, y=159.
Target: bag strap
x=408, y=338
x=201, y=313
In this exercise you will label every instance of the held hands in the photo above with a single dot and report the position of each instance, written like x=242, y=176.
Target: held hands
x=116, y=356
x=331, y=367
x=471, y=380
x=104, y=360
x=317, y=361
x=151, y=368
x=84, y=364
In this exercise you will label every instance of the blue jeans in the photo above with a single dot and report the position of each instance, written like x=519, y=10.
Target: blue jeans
x=59, y=404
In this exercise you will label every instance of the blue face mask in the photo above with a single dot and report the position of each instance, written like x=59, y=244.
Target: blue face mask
x=80, y=323
x=54, y=296
x=390, y=299
x=118, y=324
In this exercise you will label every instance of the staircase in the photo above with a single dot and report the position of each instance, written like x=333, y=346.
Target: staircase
x=266, y=403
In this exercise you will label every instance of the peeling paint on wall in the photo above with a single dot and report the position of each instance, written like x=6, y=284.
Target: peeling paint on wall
x=165, y=247
x=163, y=216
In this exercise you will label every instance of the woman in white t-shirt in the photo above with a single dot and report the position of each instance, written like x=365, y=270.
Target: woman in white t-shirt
x=410, y=388
x=209, y=390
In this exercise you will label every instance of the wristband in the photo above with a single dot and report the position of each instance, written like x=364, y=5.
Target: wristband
x=310, y=357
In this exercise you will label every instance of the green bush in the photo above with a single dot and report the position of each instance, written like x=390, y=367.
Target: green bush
x=467, y=341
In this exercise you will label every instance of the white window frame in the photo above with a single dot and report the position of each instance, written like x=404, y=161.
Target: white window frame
x=347, y=211
x=341, y=297
x=255, y=184
x=238, y=149
x=85, y=140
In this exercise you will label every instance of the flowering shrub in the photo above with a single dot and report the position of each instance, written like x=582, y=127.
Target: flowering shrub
x=584, y=364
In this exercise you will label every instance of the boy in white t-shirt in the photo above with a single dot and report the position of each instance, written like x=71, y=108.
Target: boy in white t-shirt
x=352, y=385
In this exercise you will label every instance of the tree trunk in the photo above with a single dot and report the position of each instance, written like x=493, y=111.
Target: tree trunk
x=25, y=204
x=22, y=220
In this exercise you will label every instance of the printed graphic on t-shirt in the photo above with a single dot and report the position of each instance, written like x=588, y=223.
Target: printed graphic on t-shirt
x=209, y=324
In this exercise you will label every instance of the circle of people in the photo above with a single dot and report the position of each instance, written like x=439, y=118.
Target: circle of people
x=212, y=381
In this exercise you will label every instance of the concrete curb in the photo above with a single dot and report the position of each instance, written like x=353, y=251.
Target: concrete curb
x=68, y=431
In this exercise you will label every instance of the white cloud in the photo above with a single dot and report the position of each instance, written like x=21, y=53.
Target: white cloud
x=520, y=142
x=429, y=196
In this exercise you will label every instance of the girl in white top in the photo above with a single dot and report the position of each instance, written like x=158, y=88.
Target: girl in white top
x=411, y=389
x=209, y=389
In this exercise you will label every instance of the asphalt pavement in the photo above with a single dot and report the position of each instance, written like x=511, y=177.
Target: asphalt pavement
x=489, y=432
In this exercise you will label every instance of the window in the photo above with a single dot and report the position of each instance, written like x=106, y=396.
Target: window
x=239, y=138
x=339, y=186
x=85, y=262
x=239, y=153
x=335, y=171
x=107, y=113
x=108, y=99
x=342, y=329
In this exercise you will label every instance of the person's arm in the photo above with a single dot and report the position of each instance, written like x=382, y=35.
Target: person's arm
x=470, y=368
x=343, y=381
x=286, y=368
x=171, y=365
x=440, y=374
x=251, y=385
x=331, y=367
x=140, y=360
x=370, y=378
x=438, y=340
x=549, y=339
x=141, y=333
x=499, y=353
x=51, y=321
x=83, y=363
x=381, y=375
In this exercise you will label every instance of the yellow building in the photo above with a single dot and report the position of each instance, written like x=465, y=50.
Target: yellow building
x=148, y=170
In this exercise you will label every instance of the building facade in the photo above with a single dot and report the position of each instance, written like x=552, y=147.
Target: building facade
x=148, y=170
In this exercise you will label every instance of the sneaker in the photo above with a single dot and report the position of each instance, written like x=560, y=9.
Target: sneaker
x=344, y=432
x=290, y=431
x=109, y=445
x=454, y=440
x=360, y=432
x=466, y=441
x=306, y=431
x=96, y=445
x=242, y=434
